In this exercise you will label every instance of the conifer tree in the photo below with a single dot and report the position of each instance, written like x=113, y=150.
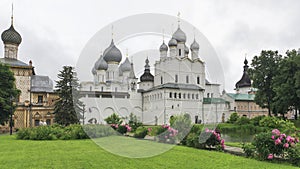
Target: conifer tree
x=68, y=108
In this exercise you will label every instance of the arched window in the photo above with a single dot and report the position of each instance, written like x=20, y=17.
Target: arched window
x=176, y=78
x=170, y=95
x=175, y=95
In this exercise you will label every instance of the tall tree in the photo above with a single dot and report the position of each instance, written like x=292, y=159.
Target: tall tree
x=285, y=84
x=68, y=108
x=7, y=92
x=264, y=68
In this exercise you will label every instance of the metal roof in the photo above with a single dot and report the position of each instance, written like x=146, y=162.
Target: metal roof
x=241, y=97
x=41, y=84
x=214, y=100
x=176, y=86
x=13, y=62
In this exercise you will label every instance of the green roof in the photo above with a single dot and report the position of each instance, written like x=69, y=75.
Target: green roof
x=213, y=100
x=241, y=97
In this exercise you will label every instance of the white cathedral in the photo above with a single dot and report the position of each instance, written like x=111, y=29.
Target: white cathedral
x=178, y=86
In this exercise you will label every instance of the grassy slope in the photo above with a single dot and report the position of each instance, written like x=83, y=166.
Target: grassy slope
x=86, y=154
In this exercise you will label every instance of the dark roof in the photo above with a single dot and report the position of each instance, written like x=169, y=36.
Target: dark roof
x=41, y=84
x=13, y=62
x=11, y=36
x=245, y=80
x=176, y=86
x=147, y=76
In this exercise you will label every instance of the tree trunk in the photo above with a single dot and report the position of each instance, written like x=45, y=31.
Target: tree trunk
x=296, y=113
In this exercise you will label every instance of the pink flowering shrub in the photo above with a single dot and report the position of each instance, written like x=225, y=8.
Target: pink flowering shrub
x=212, y=138
x=122, y=128
x=271, y=144
x=166, y=134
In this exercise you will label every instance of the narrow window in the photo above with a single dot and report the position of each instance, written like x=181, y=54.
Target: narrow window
x=40, y=99
x=192, y=96
x=197, y=97
x=170, y=95
x=179, y=95
x=176, y=78
x=188, y=96
x=161, y=80
x=212, y=95
x=179, y=52
x=175, y=95
x=198, y=80
x=183, y=95
x=207, y=95
x=187, y=79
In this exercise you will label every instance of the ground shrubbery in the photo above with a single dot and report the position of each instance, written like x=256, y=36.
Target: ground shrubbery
x=271, y=145
x=70, y=132
x=140, y=132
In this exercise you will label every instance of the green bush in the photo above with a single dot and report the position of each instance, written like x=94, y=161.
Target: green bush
x=140, y=132
x=269, y=145
x=276, y=123
x=233, y=118
x=70, y=132
x=249, y=149
x=255, y=120
x=113, y=119
x=243, y=120
x=133, y=122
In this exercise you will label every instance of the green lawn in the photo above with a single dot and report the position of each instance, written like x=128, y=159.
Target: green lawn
x=87, y=154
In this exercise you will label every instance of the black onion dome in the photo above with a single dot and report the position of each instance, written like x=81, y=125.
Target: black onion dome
x=163, y=47
x=112, y=54
x=147, y=76
x=11, y=36
x=179, y=35
x=245, y=80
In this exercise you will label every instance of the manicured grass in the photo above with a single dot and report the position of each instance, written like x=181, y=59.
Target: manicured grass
x=86, y=154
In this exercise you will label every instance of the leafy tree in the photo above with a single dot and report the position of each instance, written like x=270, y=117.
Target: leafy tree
x=264, y=69
x=7, y=91
x=285, y=84
x=68, y=108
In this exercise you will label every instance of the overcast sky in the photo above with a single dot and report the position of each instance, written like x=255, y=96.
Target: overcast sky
x=54, y=32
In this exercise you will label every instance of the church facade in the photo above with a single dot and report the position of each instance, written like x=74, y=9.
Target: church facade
x=36, y=100
x=178, y=85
